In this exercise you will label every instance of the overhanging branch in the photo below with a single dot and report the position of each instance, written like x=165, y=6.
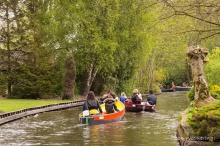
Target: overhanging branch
x=210, y=36
x=189, y=15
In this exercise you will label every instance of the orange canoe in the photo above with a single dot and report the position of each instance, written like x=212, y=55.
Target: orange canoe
x=94, y=119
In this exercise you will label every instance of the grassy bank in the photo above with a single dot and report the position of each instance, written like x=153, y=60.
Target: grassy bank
x=8, y=105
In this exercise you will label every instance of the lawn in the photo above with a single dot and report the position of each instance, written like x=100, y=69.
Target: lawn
x=8, y=105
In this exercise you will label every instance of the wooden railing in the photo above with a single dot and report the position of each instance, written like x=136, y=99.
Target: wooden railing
x=15, y=115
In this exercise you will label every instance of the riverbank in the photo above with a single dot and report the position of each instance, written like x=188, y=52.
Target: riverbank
x=200, y=126
x=9, y=105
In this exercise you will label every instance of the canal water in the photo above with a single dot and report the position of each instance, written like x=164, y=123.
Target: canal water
x=62, y=128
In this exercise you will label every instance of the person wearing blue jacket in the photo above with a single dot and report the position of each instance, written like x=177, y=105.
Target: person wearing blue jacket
x=123, y=97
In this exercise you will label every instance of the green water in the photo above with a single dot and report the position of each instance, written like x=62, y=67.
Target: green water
x=63, y=128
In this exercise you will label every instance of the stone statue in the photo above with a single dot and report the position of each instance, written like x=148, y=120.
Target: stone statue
x=197, y=56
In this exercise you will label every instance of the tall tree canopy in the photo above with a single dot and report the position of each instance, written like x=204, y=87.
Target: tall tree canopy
x=116, y=44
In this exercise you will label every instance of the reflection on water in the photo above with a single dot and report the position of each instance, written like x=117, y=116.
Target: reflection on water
x=63, y=128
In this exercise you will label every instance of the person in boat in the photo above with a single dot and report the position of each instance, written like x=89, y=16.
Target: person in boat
x=105, y=96
x=110, y=106
x=123, y=97
x=135, y=96
x=162, y=88
x=151, y=99
x=91, y=102
x=173, y=86
x=139, y=95
x=184, y=84
x=110, y=93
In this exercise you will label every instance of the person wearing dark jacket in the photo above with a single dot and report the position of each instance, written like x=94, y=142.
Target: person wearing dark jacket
x=110, y=106
x=152, y=99
x=91, y=102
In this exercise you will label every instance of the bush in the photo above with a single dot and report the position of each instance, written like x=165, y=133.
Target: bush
x=215, y=91
x=205, y=120
x=191, y=94
x=156, y=88
x=32, y=83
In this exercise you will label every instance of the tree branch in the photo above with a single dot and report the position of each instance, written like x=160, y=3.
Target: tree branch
x=210, y=36
x=186, y=14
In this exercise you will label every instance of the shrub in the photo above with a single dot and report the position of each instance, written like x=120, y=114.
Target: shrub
x=191, y=94
x=205, y=120
x=215, y=91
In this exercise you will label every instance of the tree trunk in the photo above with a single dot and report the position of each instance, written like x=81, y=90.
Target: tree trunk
x=150, y=70
x=197, y=57
x=89, y=78
x=188, y=72
x=8, y=52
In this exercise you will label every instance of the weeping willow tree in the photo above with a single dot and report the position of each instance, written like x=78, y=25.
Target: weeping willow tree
x=135, y=43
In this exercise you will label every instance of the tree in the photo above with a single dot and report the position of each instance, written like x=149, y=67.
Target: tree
x=197, y=56
x=133, y=43
x=24, y=31
x=205, y=15
x=12, y=34
x=69, y=77
x=96, y=42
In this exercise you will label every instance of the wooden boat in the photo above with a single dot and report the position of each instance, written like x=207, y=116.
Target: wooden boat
x=180, y=88
x=138, y=106
x=167, y=90
x=94, y=118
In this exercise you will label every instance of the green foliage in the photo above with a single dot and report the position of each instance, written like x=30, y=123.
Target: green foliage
x=212, y=70
x=191, y=94
x=134, y=45
x=155, y=88
x=160, y=75
x=69, y=77
x=3, y=84
x=170, y=47
x=205, y=120
x=130, y=43
x=215, y=91
x=33, y=83
x=190, y=112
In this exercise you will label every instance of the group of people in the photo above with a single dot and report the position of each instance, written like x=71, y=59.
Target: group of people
x=137, y=97
x=93, y=103
x=185, y=84
x=109, y=99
